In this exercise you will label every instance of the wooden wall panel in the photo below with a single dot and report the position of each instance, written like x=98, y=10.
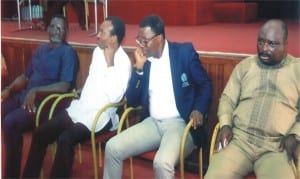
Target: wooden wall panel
x=17, y=54
x=219, y=69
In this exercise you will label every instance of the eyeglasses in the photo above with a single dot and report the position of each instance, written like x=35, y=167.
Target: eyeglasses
x=272, y=44
x=144, y=42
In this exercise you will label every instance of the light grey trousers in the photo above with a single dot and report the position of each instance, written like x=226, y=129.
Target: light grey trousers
x=150, y=134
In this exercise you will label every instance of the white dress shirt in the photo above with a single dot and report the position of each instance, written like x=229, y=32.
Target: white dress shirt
x=103, y=85
x=161, y=92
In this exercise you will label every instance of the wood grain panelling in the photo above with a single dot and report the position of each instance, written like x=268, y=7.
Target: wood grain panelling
x=219, y=69
x=17, y=54
x=85, y=57
x=218, y=66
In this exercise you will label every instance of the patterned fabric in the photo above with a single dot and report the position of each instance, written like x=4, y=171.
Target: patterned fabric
x=262, y=102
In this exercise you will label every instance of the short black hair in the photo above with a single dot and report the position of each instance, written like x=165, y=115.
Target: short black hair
x=118, y=27
x=155, y=23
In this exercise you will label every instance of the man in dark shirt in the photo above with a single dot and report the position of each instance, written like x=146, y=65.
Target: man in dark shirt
x=53, y=69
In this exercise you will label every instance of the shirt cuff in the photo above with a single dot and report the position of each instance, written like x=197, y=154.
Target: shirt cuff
x=225, y=120
x=138, y=71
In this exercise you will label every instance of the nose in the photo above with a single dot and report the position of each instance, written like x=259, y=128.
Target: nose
x=265, y=46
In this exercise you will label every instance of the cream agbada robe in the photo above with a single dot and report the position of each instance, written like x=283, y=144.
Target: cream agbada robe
x=261, y=102
x=103, y=85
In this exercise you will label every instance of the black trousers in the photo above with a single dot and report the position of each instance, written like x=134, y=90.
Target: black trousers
x=55, y=7
x=67, y=134
x=15, y=121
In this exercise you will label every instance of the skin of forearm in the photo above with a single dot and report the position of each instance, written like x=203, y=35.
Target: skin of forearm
x=60, y=87
x=18, y=84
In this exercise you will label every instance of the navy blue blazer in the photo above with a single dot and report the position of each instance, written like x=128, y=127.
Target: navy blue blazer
x=191, y=84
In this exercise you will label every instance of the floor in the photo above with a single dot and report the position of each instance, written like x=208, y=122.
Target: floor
x=142, y=167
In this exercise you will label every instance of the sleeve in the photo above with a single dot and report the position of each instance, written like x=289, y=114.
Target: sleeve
x=229, y=98
x=296, y=127
x=202, y=84
x=116, y=78
x=29, y=69
x=134, y=91
x=69, y=65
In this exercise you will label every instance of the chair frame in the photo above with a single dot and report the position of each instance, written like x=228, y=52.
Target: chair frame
x=19, y=2
x=213, y=143
x=105, y=14
x=57, y=99
x=182, y=148
x=125, y=118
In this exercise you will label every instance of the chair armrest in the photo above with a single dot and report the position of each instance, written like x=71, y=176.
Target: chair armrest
x=125, y=116
x=58, y=100
x=104, y=108
x=41, y=107
x=213, y=140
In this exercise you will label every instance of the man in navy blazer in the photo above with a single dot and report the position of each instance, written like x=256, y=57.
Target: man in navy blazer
x=171, y=85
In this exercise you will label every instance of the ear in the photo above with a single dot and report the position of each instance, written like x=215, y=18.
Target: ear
x=114, y=39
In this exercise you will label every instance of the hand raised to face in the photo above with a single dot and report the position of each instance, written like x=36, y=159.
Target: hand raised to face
x=140, y=58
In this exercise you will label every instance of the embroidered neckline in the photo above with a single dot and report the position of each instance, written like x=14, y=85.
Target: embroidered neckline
x=279, y=65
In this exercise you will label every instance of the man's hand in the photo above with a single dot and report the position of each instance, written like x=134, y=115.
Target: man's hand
x=197, y=118
x=224, y=137
x=29, y=101
x=290, y=143
x=140, y=58
x=109, y=53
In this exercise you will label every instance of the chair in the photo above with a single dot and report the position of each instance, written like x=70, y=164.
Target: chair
x=181, y=157
x=212, y=151
x=105, y=13
x=95, y=139
x=150, y=155
x=125, y=118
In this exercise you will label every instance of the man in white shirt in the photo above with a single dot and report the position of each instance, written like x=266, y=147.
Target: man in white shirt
x=106, y=83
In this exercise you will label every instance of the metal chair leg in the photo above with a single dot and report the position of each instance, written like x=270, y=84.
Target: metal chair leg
x=19, y=16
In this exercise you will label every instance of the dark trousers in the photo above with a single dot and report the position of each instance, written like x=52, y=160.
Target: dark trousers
x=15, y=121
x=55, y=7
x=67, y=134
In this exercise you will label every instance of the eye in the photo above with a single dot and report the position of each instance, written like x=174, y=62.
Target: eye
x=260, y=42
x=273, y=44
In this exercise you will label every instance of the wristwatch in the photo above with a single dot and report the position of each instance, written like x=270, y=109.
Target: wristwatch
x=139, y=71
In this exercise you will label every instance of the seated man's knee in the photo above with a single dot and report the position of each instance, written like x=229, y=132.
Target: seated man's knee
x=161, y=166
x=65, y=140
x=110, y=147
x=9, y=122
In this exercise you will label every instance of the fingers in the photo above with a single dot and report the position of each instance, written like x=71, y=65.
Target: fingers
x=29, y=105
x=196, y=122
x=30, y=109
x=224, y=142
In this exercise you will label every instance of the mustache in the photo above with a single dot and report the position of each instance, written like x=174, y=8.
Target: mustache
x=264, y=54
